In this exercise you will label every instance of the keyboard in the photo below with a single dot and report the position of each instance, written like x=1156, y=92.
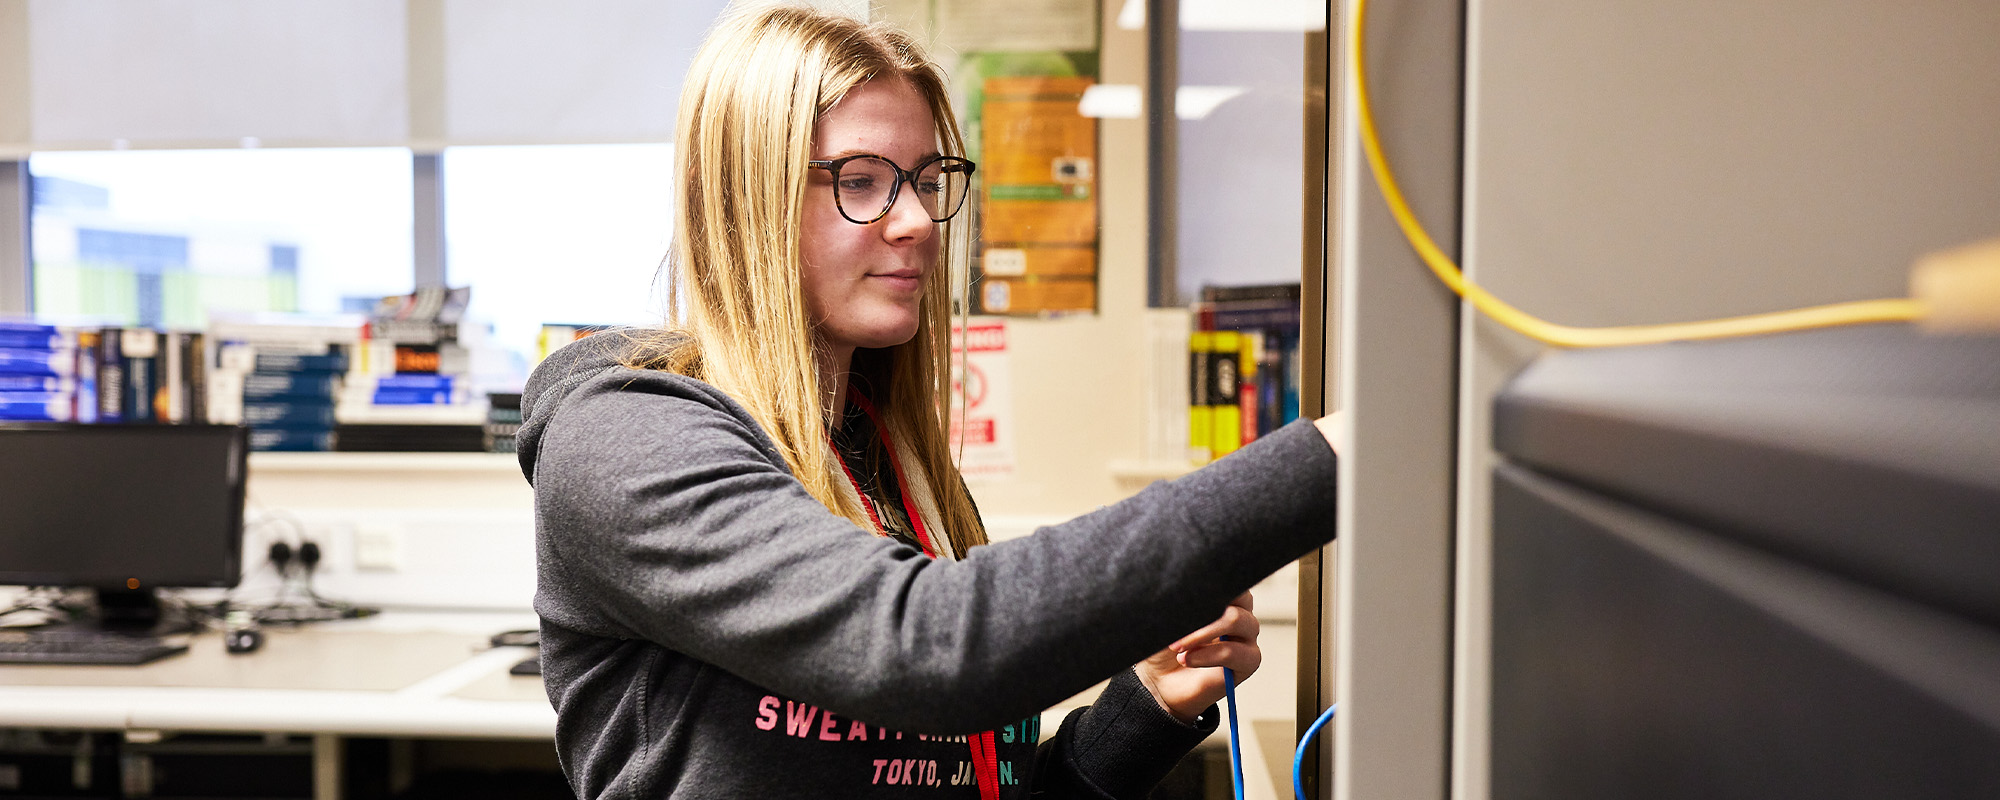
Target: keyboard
x=82, y=647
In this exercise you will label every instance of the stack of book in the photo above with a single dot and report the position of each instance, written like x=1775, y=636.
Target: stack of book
x=413, y=397
x=288, y=398
x=56, y=374
x=1243, y=366
x=282, y=375
x=422, y=327
x=503, y=421
x=38, y=370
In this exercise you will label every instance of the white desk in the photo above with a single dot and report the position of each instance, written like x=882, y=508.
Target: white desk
x=421, y=676
x=393, y=676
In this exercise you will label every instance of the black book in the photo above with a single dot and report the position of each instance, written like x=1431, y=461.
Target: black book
x=110, y=375
x=194, y=377
x=1236, y=294
x=141, y=348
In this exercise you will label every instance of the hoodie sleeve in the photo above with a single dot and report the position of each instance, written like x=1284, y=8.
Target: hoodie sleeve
x=666, y=515
x=1121, y=746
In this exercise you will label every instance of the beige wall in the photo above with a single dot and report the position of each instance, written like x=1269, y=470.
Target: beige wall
x=1080, y=383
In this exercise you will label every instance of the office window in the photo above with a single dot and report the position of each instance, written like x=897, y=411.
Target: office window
x=557, y=234
x=162, y=238
x=1240, y=150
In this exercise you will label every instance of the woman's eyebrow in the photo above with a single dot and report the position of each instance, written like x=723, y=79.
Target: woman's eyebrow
x=845, y=153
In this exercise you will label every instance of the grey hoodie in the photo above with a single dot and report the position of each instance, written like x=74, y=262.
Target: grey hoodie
x=710, y=630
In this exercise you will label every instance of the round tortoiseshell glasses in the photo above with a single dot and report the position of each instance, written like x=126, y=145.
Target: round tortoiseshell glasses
x=865, y=186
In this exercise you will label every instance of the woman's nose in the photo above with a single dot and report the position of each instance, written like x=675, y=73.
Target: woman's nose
x=908, y=221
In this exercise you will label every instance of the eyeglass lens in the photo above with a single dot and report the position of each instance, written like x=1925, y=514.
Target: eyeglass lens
x=867, y=185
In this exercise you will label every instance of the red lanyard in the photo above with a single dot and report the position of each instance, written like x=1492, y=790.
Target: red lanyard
x=985, y=757
x=902, y=486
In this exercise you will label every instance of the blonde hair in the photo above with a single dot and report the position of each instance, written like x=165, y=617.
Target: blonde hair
x=747, y=113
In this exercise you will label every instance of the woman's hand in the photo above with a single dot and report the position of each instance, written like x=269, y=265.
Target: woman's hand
x=1334, y=427
x=1184, y=678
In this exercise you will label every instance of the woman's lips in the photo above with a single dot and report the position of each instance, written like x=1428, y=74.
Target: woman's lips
x=908, y=282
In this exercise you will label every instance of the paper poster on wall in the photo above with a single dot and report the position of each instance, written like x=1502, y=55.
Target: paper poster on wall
x=1038, y=221
x=982, y=406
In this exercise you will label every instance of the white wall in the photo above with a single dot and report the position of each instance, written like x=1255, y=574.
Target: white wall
x=83, y=74
x=458, y=527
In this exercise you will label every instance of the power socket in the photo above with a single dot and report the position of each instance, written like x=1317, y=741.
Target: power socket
x=378, y=548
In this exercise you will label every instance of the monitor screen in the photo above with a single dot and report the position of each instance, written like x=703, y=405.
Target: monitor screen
x=107, y=505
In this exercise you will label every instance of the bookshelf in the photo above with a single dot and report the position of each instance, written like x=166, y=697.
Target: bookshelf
x=1146, y=470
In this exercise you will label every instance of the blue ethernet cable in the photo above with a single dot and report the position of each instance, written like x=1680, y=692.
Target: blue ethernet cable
x=1236, y=749
x=1305, y=743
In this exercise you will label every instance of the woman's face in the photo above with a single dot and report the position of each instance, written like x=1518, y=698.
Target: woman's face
x=862, y=282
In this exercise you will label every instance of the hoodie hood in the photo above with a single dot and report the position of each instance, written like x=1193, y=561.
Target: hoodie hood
x=555, y=379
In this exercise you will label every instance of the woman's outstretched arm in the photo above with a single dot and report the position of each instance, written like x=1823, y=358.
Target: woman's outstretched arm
x=665, y=515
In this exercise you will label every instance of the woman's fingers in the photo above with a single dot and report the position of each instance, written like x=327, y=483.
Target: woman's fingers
x=1243, y=657
x=1237, y=622
x=1183, y=678
x=1334, y=428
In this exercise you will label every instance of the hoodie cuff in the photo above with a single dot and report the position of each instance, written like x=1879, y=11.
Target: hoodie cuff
x=1125, y=743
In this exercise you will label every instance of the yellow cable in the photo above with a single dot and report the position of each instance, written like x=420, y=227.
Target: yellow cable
x=1851, y=313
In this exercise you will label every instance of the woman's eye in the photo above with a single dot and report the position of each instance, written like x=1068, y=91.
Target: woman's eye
x=857, y=184
x=930, y=187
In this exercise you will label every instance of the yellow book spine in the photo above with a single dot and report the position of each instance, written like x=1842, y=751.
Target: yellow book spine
x=1225, y=378
x=1201, y=411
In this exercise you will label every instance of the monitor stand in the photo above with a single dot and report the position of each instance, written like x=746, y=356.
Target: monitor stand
x=137, y=612
x=128, y=610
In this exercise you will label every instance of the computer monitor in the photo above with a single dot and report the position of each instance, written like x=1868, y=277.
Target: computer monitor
x=122, y=509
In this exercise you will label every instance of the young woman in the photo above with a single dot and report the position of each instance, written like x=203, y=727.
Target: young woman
x=760, y=573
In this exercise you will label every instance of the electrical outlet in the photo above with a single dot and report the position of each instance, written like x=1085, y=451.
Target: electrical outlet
x=378, y=548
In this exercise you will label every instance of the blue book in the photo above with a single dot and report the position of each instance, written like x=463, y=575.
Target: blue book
x=286, y=439
x=36, y=383
x=412, y=397
x=50, y=363
x=288, y=415
x=332, y=362
x=1271, y=381
x=31, y=340
x=414, y=380
x=86, y=392
x=289, y=385
x=1292, y=376
x=36, y=406
x=20, y=326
